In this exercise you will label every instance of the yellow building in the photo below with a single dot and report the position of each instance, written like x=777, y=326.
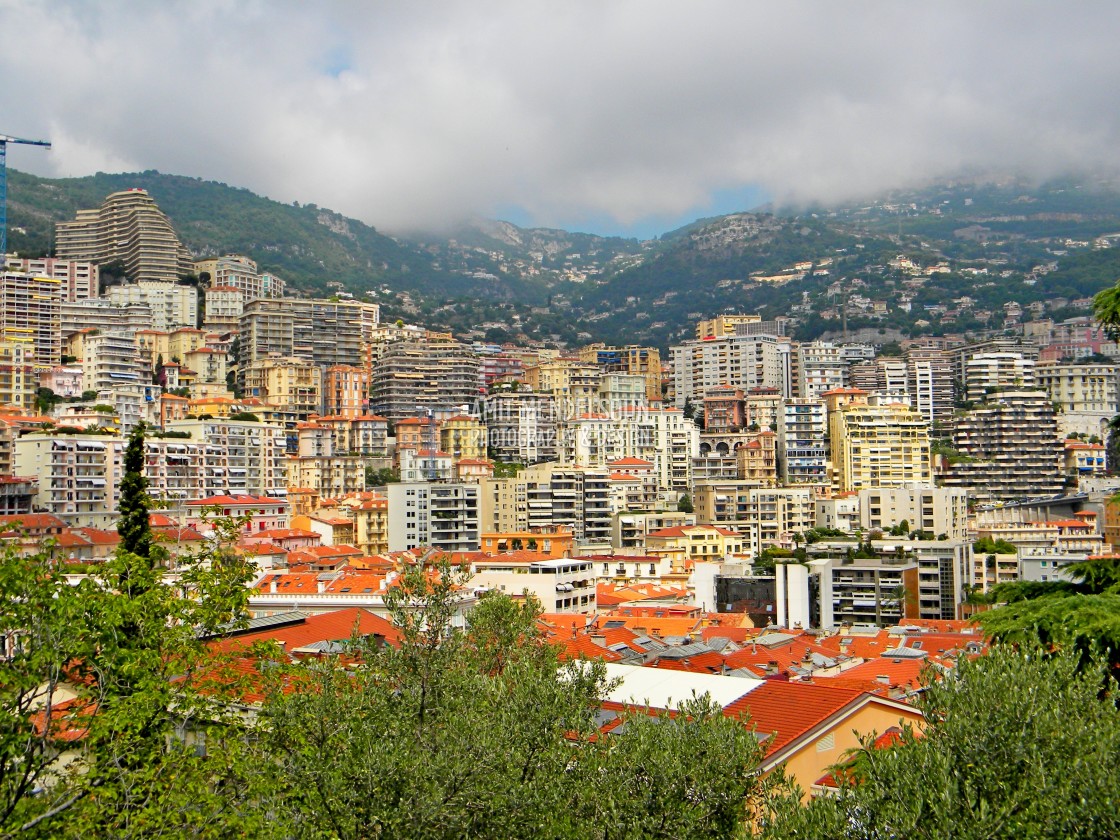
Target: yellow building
x=687, y=543
x=19, y=376
x=214, y=406
x=632, y=360
x=875, y=442
x=575, y=382
x=292, y=386
x=182, y=341
x=153, y=345
x=370, y=512
x=723, y=325
x=463, y=437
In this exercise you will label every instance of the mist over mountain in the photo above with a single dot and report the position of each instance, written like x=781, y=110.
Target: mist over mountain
x=968, y=248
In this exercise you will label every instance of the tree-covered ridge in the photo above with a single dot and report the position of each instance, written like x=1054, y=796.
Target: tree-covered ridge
x=305, y=245
x=1043, y=245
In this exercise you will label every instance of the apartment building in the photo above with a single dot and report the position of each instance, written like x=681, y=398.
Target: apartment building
x=1087, y=395
x=547, y=497
x=875, y=442
x=241, y=456
x=724, y=325
x=741, y=361
x=236, y=271
x=686, y=545
x=292, y=385
x=78, y=280
x=822, y=366
x=223, y=307
x=440, y=375
x=111, y=360
x=130, y=229
x=629, y=529
x=19, y=375
x=346, y=390
x=30, y=314
x=988, y=373
x=632, y=360
x=442, y=516
x=462, y=437
x=892, y=377
x=761, y=515
x=520, y=425
x=666, y=437
x=79, y=475
x=171, y=304
x=562, y=585
x=322, y=332
x=370, y=514
x=930, y=383
x=79, y=315
x=934, y=510
x=802, y=442
x=573, y=384
x=1011, y=448
x=870, y=591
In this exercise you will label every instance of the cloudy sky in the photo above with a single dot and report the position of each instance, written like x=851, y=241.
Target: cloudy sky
x=620, y=117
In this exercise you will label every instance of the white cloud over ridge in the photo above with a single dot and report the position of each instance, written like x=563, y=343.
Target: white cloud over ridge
x=420, y=114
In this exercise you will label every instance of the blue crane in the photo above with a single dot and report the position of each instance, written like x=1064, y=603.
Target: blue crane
x=4, y=141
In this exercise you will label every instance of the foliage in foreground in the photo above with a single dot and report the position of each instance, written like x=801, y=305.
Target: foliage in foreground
x=479, y=731
x=485, y=733
x=1017, y=745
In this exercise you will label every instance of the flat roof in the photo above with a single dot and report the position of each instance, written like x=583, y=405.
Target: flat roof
x=663, y=688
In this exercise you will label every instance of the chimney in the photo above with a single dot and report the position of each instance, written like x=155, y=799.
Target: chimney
x=272, y=587
x=883, y=679
x=599, y=639
x=321, y=586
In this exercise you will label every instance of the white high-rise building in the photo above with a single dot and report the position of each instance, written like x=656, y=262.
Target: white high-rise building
x=741, y=361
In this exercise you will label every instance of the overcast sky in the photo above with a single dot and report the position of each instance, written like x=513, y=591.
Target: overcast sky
x=623, y=117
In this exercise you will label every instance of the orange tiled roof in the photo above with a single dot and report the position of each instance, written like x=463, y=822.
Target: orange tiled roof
x=788, y=710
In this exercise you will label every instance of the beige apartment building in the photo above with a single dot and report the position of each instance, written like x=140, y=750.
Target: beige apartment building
x=130, y=229
x=875, y=442
x=1011, y=448
x=1086, y=395
x=293, y=386
x=78, y=279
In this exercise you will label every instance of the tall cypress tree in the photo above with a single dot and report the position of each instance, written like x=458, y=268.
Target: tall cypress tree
x=134, y=525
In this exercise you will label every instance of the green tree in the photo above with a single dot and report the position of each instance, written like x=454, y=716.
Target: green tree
x=684, y=504
x=37, y=640
x=134, y=525
x=1081, y=614
x=381, y=477
x=126, y=645
x=1017, y=744
x=484, y=732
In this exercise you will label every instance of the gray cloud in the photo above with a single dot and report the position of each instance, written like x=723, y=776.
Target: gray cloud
x=418, y=114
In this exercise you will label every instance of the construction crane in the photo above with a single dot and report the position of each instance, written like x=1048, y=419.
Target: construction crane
x=4, y=141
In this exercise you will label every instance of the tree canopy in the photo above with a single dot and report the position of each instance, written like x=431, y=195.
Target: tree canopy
x=1018, y=744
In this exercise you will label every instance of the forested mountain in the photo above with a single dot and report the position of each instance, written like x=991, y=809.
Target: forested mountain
x=959, y=257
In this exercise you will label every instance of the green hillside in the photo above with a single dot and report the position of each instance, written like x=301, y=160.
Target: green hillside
x=306, y=245
x=1045, y=247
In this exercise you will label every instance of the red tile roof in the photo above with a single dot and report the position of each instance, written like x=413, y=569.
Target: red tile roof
x=333, y=626
x=787, y=711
